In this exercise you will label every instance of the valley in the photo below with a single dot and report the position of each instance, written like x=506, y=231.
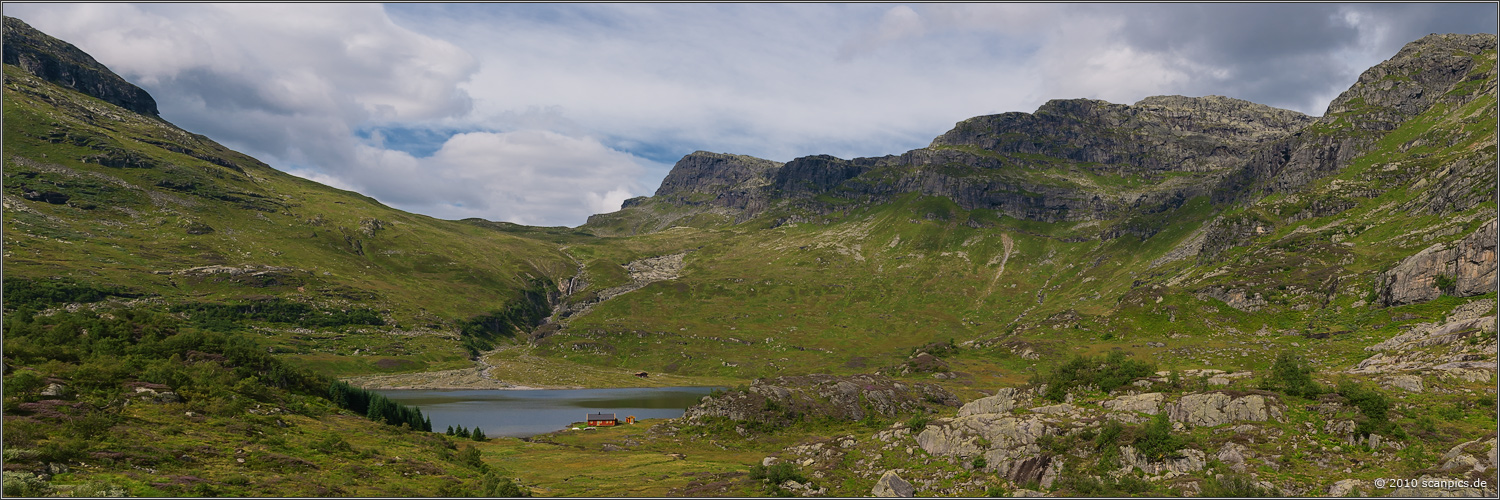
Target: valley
x=1186, y=296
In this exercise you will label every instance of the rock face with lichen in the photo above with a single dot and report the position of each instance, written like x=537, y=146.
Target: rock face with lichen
x=1219, y=408
x=1465, y=268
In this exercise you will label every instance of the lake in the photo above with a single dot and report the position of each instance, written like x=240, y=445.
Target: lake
x=521, y=413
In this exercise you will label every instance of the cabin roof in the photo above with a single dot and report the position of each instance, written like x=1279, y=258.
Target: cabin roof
x=601, y=416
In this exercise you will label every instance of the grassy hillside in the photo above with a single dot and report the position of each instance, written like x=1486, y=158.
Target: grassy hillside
x=105, y=198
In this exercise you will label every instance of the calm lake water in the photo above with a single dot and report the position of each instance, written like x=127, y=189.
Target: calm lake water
x=532, y=412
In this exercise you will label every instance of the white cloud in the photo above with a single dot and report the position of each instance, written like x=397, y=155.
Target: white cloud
x=529, y=177
x=550, y=88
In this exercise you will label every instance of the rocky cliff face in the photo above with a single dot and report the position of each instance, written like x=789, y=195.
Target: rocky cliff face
x=60, y=62
x=1462, y=269
x=724, y=180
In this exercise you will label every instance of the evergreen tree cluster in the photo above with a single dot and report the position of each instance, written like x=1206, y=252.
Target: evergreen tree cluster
x=377, y=407
x=476, y=433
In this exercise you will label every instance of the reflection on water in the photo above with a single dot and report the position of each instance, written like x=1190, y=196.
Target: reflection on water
x=528, y=413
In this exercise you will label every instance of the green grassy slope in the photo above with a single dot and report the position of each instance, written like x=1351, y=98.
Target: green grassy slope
x=139, y=204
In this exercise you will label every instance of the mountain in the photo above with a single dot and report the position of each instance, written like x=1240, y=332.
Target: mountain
x=1295, y=296
x=102, y=193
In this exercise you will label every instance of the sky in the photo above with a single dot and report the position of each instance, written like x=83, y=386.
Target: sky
x=543, y=114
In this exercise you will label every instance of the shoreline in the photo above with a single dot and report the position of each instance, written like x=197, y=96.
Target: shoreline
x=452, y=380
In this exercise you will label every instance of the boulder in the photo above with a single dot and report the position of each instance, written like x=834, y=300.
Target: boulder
x=1345, y=487
x=55, y=390
x=1003, y=401
x=1189, y=460
x=1218, y=408
x=1411, y=383
x=1007, y=437
x=891, y=485
x=1233, y=454
x=1148, y=403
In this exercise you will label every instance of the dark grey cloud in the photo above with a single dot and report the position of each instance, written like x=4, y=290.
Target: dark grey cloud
x=1288, y=55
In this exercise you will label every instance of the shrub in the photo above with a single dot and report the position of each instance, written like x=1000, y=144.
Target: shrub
x=1444, y=283
x=776, y=474
x=470, y=456
x=495, y=486
x=1291, y=374
x=917, y=423
x=1107, y=373
x=979, y=463
x=25, y=484
x=1156, y=441
x=1108, y=434
x=1373, y=405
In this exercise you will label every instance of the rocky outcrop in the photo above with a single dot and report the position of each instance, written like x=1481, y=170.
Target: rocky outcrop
x=1158, y=133
x=1238, y=299
x=724, y=180
x=891, y=485
x=62, y=63
x=1408, y=353
x=850, y=397
x=1148, y=403
x=1183, y=462
x=1003, y=401
x=1219, y=408
x=1466, y=268
x=1002, y=440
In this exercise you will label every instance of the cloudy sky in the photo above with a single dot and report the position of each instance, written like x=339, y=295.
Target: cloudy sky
x=544, y=114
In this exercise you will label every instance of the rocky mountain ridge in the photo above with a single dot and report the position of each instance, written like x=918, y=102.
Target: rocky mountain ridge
x=1090, y=160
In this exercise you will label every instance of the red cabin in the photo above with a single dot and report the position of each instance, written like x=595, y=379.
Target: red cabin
x=602, y=419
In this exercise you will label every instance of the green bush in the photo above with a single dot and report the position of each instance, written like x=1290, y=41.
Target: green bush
x=1109, y=433
x=917, y=423
x=25, y=484
x=1156, y=441
x=494, y=486
x=470, y=456
x=1444, y=283
x=23, y=293
x=1107, y=373
x=1373, y=406
x=776, y=474
x=1292, y=375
